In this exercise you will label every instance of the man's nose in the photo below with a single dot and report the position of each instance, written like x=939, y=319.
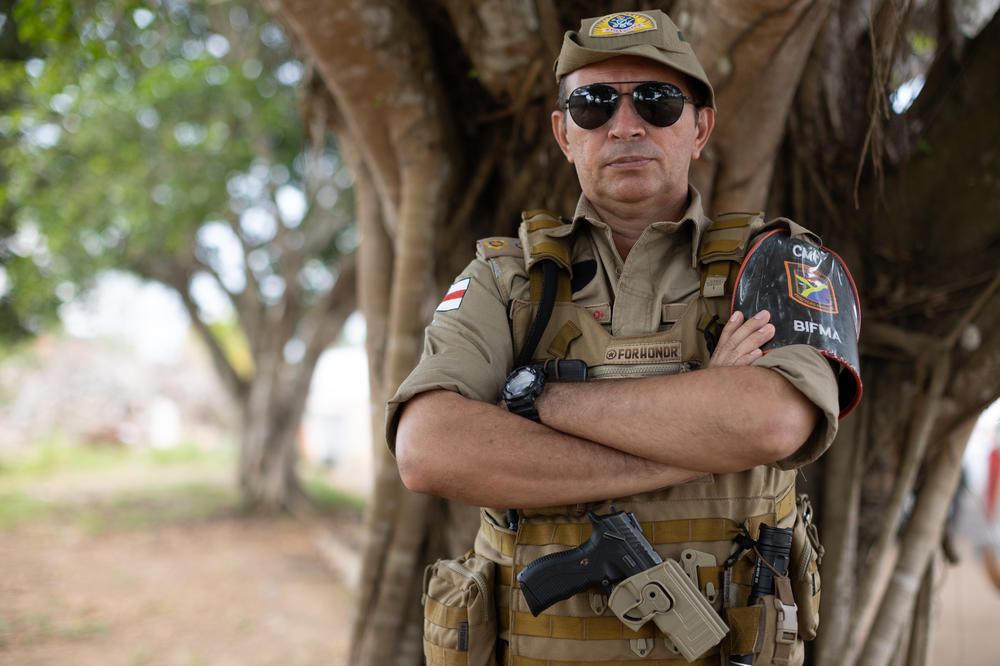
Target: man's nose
x=626, y=123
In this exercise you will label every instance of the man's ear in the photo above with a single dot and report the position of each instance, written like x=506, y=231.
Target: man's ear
x=559, y=131
x=705, y=123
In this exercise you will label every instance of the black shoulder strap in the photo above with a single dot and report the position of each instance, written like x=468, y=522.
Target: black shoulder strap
x=548, y=265
x=550, y=283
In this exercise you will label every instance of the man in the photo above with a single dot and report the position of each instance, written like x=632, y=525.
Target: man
x=679, y=449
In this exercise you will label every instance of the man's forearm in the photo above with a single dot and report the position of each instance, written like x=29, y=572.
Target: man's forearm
x=479, y=454
x=716, y=420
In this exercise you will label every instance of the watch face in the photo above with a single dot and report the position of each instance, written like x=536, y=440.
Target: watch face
x=520, y=382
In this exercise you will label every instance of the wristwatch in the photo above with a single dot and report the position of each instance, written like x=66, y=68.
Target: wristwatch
x=522, y=388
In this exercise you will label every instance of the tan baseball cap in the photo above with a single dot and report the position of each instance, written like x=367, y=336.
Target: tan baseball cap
x=647, y=34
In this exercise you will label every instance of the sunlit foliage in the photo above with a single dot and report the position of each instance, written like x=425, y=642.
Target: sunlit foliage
x=162, y=137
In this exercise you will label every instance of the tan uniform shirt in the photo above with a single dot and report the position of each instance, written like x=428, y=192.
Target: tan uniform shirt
x=468, y=347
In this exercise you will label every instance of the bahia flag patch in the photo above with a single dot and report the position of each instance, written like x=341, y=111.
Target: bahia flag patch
x=454, y=296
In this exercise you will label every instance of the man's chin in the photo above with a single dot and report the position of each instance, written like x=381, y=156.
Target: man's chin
x=634, y=194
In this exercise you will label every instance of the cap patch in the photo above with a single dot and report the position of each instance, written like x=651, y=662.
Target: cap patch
x=625, y=23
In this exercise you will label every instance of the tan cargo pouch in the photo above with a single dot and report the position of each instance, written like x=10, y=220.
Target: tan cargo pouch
x=766, y=630
x=460, y=623
x=807, y=552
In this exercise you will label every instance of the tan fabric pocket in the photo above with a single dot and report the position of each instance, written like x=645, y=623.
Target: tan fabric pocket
x=460, y=621
x=744, y=630
x=804, y=572
x=753, y=631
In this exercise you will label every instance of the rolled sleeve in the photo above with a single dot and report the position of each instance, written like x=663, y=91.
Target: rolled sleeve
x=809, y=372
x=466, y=350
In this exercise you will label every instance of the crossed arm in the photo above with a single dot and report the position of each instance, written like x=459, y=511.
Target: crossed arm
x=610, y=438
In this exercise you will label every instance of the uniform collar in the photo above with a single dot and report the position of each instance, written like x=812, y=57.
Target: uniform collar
x=693, y=219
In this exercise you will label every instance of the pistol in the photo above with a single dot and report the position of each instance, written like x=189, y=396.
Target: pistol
x=641, y=586
x=615, y=550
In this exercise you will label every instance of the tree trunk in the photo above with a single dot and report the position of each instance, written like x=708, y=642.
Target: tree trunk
x=923, y=534
x=268, y=453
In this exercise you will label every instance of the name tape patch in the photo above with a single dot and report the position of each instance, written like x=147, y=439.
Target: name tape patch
x=453, y=298
x=643, y=352
x=623, y=23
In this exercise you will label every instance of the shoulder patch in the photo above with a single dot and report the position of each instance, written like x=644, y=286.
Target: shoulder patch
x=812, y=300
x=453, y=298
x=499, y=246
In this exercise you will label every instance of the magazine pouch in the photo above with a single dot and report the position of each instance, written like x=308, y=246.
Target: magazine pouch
x=804, y=568
x=460, y=623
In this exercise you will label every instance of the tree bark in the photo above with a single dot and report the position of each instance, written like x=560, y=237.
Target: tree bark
x=923, y=534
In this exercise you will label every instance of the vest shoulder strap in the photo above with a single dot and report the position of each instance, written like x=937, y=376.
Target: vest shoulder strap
x=539, y=244
x=723, y=246
x=548, y=261
x=726, y=242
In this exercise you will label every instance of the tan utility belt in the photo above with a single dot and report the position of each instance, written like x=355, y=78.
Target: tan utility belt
x=709, y=660
x=659, y=532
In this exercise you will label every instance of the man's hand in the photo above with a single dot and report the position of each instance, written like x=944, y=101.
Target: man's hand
x=740, y=341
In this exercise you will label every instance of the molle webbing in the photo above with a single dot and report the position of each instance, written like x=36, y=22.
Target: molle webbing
x=446, y=616
x=661, y=532
x=741, y=574
x=446, y=656
x=723, y=246
x=574, y=628
x=709, y=660
x=450, y=617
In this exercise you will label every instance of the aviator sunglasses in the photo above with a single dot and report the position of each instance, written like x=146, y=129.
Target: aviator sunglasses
x=656, y=102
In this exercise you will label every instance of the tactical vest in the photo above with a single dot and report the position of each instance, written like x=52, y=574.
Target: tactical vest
x=694, y=523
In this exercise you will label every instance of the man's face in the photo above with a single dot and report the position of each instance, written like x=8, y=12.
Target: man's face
x=627, y=164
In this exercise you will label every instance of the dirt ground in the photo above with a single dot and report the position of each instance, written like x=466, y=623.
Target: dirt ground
x=966, y=612
x=227, y=590
x=223, y=591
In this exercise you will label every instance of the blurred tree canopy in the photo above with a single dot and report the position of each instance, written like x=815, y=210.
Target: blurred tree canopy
x=164, y=138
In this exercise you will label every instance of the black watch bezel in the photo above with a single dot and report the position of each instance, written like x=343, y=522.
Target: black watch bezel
x=522, y=403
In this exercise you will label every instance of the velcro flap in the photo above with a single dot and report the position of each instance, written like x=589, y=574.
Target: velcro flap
x=551, y=250
x=540, y=242
x=560, y=343
x=744, y=629
x=540, y=218
x=728, y=235
x=721, y=246
x=735, y=220
x=672, y=312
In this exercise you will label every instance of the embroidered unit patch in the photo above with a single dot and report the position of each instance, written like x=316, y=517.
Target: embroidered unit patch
x=453, y=298
x=808, y=287
x=497, y=243
x=625, y=23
